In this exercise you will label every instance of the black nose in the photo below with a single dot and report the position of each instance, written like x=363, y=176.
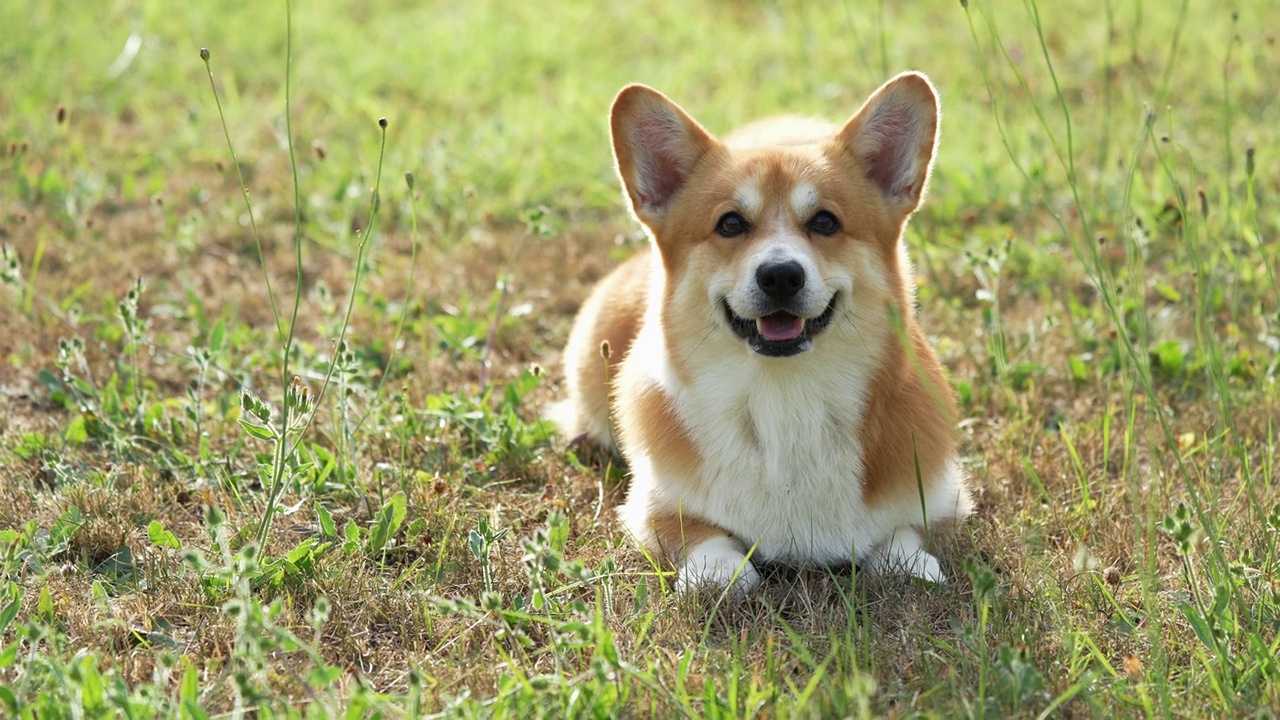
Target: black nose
x=780, y=280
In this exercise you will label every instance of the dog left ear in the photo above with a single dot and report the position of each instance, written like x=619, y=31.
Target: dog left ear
x=656, y=146
x=893, y=138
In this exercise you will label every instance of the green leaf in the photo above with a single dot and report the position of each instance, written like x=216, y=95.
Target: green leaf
x=1169, y=357
x=324, y=675
x=1200, y=626
x=1079, y=368
x=9, y=654
x=10, y=611
x=44, y=606
x=327, y=526
x=356, y=705
x=1168, y=292
x=416, y=529
x=190, y=691
x=605, y=644
x=557, y=531
x=193, y=711
x=91, y=683
x=77, y=432
x=216, y=335
x=262, y=432
x=119, y=567
x=161, y=537
x=302, y=551
x=387, y=523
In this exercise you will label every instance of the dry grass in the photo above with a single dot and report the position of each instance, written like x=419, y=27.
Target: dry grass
x=1068, y=597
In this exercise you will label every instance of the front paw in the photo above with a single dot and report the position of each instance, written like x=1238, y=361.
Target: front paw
x=904, y=554
x=924, y=566
x=714, y=565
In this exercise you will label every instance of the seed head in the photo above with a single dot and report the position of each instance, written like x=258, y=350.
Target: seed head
x=1204, y=203
x=204, y=54
x=298, y=396
x=408, y=180
x=604, y=349
x=1248, y=163
x=60, y=115
x=382, y=123
x=1133, y=667
x=253, y=405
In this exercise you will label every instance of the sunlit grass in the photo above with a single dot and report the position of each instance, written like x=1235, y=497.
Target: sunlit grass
x=1097, y=269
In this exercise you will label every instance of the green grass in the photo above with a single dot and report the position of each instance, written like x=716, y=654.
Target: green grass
x=187, y=531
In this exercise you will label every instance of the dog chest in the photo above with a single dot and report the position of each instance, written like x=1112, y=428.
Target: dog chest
x=782, y=464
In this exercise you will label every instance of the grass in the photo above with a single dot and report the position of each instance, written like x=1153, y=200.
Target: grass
x=1097, y=263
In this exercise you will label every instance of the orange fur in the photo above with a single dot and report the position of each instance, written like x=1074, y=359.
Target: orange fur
x=672, y=532
x=877, y=400
x=650, y=423
x=610, y=315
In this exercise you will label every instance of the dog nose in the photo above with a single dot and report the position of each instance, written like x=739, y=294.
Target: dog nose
x=780, y=281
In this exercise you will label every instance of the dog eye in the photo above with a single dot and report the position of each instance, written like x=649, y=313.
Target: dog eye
x=731, y=225
x=824, y=223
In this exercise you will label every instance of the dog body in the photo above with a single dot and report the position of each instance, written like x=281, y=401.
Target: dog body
x=770, y=387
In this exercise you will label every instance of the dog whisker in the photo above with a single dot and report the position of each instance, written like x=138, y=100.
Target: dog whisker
x=758, y=452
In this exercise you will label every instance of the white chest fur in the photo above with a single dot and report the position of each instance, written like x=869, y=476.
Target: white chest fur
x=782, y=464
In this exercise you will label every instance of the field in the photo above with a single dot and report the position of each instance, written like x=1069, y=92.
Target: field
x=186, y=530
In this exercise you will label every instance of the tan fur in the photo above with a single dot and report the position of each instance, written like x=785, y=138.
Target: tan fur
x=611, y=314
x=672, y=532
x=905, y=429
x=649, y=423
x=909, y=417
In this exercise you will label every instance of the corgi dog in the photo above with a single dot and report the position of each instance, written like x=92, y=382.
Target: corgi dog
x=761, y=368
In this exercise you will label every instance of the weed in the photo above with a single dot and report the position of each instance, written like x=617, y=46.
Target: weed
x=270, y=429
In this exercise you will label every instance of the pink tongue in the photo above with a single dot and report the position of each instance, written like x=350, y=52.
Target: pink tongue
x=780, y=326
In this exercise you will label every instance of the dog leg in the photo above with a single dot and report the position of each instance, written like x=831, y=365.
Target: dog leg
x=717, y=563
x=904, y=553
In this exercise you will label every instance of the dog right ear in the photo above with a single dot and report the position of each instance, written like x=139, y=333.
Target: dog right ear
x=656, y=146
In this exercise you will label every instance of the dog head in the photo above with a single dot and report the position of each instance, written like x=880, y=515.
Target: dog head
x=772, y=233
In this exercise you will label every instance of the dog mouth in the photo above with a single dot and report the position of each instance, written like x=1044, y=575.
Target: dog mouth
x=779, y=333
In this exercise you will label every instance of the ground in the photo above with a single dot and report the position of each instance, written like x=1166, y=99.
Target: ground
x=1097, y=263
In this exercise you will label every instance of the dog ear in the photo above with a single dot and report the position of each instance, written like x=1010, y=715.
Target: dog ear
x=656, y=146
x=893, y=137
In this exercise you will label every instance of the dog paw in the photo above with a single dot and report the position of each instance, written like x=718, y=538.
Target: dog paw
x=926, y=567
x=714, y=565
x=904, y=554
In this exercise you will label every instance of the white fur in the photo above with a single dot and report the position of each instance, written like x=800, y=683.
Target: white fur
x=749, y=199
x=904, y=553
x=781, y=464
x=749, y=301
x=718, y=563
x=769, y=483
x=804, y=199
